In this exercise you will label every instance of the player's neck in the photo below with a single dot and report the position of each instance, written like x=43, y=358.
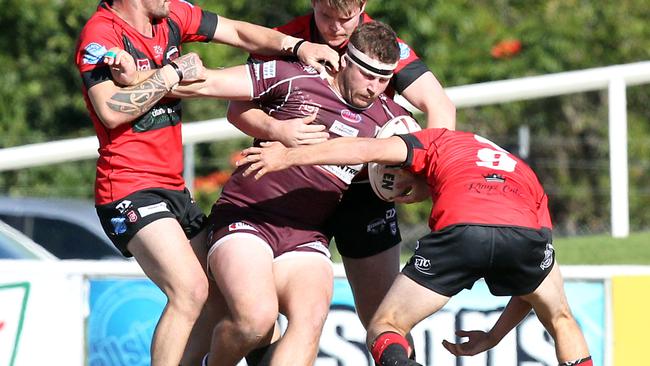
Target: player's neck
x=133, y=16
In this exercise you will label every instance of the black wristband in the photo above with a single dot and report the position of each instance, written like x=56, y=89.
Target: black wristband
x=178, y=70
x=296, y=46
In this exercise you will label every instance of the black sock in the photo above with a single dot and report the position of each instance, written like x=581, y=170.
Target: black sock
x=395, y=355
x=261, y=356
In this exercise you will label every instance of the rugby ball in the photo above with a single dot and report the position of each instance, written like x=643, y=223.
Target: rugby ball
x=390, y=182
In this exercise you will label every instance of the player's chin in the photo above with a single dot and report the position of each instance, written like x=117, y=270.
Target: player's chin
x=336, y=41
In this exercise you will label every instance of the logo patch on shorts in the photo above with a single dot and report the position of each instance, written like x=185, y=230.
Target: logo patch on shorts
x=423, y=265
x=240, y=226
x=119, y=225
x=548, y=257
x=122, y=206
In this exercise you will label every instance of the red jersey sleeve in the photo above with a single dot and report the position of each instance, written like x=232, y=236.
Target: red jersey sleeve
x=409, y=67
x=196, y=24
x=97, y=37
x=420, y=154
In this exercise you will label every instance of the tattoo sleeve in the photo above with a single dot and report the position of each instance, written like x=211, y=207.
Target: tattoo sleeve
x=138, y=99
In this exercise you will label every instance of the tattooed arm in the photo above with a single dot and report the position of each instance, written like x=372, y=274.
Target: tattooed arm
x=116, y=105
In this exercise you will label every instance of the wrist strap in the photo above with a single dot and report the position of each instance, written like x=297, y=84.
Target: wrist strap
x=178, y=70
x=296, y=46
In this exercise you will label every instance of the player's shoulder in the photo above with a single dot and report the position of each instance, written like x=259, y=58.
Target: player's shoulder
x=282, y=69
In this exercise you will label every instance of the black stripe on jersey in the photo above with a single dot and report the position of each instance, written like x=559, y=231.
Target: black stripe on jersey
x=208, y=25
x=96, y=76
x=412, y=143
x=408, y=75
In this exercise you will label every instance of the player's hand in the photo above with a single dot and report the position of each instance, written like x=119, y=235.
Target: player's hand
x=299, y=131
x=478, y=342
x=192, y=67
x=319, y=56
x=122, y=66
x=419, y=191
x=271, y=157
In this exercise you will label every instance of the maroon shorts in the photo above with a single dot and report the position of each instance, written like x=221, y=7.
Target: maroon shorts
x=282, y=235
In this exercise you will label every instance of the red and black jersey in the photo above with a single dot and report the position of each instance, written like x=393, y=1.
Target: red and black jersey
x=474, y=181
x=304, y=195
x=409, y=68
x=148, y=152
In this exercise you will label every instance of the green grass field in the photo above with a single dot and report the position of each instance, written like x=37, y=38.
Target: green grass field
x=603, y=249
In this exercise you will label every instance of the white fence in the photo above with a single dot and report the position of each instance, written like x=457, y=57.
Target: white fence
x=613, y=78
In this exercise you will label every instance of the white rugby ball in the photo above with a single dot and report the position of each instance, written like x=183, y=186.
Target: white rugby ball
x=389, y=183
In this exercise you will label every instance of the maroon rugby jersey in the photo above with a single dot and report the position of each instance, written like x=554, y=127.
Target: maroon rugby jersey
x=148, y=152
x=409, y=67
x=305, y=195
x=474, y=181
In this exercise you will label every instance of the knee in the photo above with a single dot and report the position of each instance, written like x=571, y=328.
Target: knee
x=255, y=324
x=190, y=295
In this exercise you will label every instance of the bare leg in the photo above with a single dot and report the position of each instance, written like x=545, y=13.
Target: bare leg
x=399, y=313
x=161, y=249
x=304, y=285
x=370, y=279
x=242, y=268
x=552, y=309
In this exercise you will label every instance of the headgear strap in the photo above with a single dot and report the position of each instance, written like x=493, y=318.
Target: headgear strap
x=370, y=65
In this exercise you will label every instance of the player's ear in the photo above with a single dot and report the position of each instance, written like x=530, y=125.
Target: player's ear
x=344, y=62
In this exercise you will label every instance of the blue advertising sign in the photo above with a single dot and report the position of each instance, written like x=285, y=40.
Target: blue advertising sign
x=124, y=312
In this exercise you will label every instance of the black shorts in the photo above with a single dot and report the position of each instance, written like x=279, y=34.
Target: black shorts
x=123, y=218
x=513, y=260
x=363, y=225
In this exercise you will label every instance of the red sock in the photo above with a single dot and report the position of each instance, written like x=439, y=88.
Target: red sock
x=383, y=341
x=579, y=362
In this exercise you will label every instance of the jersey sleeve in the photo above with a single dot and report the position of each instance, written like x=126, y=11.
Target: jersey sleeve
x=196, y=24
x=420, y=149
x=95, y=40
x=409, y=67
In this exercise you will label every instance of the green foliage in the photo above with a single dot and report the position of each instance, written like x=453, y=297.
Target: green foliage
x=41, y=98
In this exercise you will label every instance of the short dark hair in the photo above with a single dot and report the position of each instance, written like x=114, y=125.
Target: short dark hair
x=377, y=40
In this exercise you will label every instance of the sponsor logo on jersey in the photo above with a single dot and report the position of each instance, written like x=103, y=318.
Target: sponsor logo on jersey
x=240, y=226
x=342, y=129
x=404, y=51
x=143, y=64
x=423, y=265
x=548, y=257
x=152, y=209
x=344, y=172
x=350, y=116
x=122, y=206
x=93, y=53
x=158, y=50
x=268, y=70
